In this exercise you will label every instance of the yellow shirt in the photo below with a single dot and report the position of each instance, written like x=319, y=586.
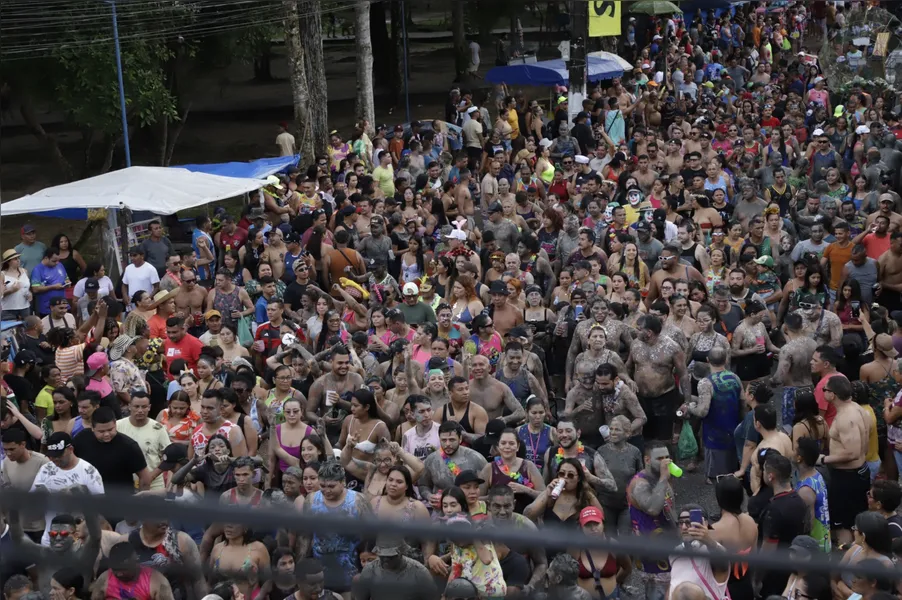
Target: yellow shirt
x=44, y=399
x=385, y=178
x=152, y=438
x=513, y=120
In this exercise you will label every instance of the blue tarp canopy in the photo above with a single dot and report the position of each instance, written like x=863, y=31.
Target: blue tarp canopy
x=553, y=72
x=255, y=169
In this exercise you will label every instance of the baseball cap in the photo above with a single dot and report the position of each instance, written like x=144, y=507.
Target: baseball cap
x=25, y=357
x=293, y=238
x=298, y=263
x=212, y=314
x=883, y=342
x=57, y=444
x=495, y=207
x=457, y=234
x=468, y=476
x=805, y=545
x=58, y=301
x=590, y=514
x=28, y=228
x=387, y=546
x=580, y=115
x=460, y=589
x=97, y=361
x=862, y=129
x=92, y=285
x=410, y=289
x=173, y=455
x=767, y=261
x=643, y=226
x=498, y=287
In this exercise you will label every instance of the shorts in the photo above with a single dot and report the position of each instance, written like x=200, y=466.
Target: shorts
x=847, y=495
x=661, y=413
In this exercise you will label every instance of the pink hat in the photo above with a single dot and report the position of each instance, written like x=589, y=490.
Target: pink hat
x=97, y=361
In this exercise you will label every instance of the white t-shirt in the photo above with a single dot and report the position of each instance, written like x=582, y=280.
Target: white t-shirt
x=105, y=283
x=68, y=320
x=59, y=481
x=421, y=446
x=474, y=54
x=140, y=278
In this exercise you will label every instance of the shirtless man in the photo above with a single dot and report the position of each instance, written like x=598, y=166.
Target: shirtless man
x=274, y=254
x=644, y=175
x=794, y=368
x=472, y=417
x=583, y=406
x=616, y=332
x=818, y=323
x=850, y=478
x=771, y=437
x=462, y=196
x=189, y=301
x=513, y=374
x=673, y=158
x=531, y=360
x=331, y=387
x=889, y=274
x=505, y=315
x=492, y=395
x=670, y=267
x=885, y=205
x=653, y=362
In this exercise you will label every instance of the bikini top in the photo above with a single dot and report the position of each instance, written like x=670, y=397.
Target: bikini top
x=609, y=569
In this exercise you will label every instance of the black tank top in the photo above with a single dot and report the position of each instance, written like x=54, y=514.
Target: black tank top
x=687, y=256
x=464, y=418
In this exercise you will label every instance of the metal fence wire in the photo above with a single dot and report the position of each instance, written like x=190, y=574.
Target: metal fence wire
x=286, y=517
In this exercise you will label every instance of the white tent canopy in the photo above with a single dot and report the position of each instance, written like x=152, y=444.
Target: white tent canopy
x=159, y=190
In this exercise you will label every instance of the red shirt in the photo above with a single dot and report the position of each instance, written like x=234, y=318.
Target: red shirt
x=822, y=403
x=271, y=337
x=876, y=246
x=187, y=348
x=237, y=239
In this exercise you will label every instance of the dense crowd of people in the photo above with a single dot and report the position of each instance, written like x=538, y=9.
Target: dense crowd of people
x=497, y=319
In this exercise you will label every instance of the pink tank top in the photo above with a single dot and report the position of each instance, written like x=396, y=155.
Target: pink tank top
x=199, y=439
x=139, y=589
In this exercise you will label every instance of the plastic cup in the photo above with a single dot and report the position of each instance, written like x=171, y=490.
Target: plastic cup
x=675, y=470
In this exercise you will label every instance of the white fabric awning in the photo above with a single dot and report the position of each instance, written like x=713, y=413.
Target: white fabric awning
x=159, y=190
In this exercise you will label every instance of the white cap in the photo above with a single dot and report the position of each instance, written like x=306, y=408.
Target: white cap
x=581, y=160
x=545, y=143
x=471, y=110
x=862, y=129
x=411, y=289
x=646, y=66
x=457, y=234
x=657, y=37
x=817, y=132
x=818, y=79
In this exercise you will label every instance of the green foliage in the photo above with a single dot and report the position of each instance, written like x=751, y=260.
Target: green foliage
x=87, y=88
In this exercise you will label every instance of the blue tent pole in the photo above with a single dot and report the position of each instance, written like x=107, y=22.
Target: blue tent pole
x=128, y=152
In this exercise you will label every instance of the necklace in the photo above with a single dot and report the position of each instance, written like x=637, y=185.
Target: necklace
x=514, y=476
x=559, y=456
x=452, y=466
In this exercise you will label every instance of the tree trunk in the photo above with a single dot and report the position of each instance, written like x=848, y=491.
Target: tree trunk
x=365, y=109
x=297, y=75
x=459, y=33
x=111, y=143
x=397, y=34
x=381, y=42
x=312, y=34
x=31, y=120
x=174, y=136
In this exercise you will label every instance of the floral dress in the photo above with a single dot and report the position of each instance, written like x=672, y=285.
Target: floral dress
x=180, y=431
x=488, y=578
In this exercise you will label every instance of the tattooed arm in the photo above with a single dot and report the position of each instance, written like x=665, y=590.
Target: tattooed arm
x=603, y=478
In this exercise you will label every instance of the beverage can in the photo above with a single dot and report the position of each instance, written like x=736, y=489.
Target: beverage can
x=605, y=431
x=557, y=489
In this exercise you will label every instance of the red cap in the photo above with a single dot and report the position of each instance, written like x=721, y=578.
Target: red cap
x=590, y=514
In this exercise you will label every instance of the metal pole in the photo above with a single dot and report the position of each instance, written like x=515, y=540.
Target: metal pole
x=406, y=78
x=128, y=152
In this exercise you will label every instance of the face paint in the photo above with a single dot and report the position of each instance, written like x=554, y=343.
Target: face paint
x=635, y=196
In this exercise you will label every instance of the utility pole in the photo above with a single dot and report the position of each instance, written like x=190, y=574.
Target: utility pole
x=579, y=33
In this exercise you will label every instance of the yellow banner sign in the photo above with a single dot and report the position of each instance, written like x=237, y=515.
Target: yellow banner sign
x=604, y=18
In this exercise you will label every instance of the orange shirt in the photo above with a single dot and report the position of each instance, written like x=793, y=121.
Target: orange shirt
x=157, y=326
x=838, y=258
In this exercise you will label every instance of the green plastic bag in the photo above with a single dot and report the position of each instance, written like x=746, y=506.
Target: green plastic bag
x=245, y=337
x=687, y=447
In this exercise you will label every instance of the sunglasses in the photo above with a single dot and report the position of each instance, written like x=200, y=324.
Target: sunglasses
x=806, y=305
x=568, y=475
x=61, y=534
